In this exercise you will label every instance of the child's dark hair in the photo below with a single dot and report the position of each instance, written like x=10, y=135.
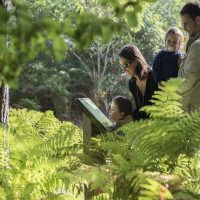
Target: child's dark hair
x=177, y=31
x=124, y=104
x=192, y=9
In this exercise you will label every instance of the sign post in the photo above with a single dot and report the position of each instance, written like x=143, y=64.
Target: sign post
x=94, y=123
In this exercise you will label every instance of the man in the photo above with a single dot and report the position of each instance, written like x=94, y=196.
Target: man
x=190, y=67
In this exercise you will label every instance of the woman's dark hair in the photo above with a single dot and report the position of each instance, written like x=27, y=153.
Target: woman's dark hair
x=124, y=105
x=192, y=9
x=132, y=53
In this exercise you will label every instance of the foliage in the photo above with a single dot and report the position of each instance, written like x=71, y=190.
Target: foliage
x=100, y=78
x=156, y=20
x=44, y=85
x=22, y=35
x=41, y=155
x=93, y=71
x=157, y=158
x=41, y=32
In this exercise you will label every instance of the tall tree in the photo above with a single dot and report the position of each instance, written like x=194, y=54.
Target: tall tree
x=4, y=100
x=4, y=90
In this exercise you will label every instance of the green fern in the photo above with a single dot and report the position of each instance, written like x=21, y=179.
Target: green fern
x=42, y=152
x=156, y=158
x=160, y=149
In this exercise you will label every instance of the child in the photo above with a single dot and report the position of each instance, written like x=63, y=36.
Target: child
x=166, y=62
x=121, y=111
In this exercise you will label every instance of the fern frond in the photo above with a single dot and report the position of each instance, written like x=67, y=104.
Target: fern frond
x=166, y=101
x=42, y=153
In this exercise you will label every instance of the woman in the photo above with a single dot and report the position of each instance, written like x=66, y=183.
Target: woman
x=142, y=83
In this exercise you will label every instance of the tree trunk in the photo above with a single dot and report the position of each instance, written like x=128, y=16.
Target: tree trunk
x=6, y=4
x=4, y=91
x=4, y=106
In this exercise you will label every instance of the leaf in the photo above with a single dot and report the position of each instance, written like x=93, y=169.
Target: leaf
x=131, y=18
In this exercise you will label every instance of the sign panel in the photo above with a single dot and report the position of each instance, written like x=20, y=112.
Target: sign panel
x=95, y=114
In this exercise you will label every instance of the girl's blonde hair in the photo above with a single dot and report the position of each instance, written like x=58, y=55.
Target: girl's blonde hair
x=177, y=31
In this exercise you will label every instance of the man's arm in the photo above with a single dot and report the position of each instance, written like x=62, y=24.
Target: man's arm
x=191, y=72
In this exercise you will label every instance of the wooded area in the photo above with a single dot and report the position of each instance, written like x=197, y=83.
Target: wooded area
x=72, y=64
x=53, y=52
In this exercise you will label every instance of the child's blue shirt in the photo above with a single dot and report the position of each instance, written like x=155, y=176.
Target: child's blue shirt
x=165, y=65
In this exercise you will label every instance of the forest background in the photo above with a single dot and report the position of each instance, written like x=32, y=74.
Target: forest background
x=89, y=68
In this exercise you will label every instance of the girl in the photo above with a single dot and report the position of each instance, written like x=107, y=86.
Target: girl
x=166, y=62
